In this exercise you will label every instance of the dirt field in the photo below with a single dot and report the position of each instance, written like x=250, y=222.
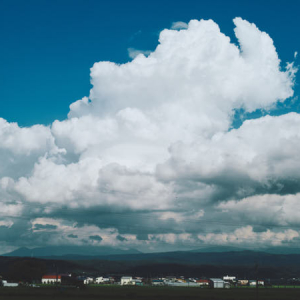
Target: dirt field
x=147, y=293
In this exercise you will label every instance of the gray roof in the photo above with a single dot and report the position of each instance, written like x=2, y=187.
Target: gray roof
x=216, y=279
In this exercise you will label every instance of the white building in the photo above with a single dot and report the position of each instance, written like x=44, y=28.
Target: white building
x=99, y=280
x=102, y=280
x=9, y=284
x=253, y=282
x=229, y=278
x=88, y=280
x=126, y=280
x=136, y=281
x=158, y=282
x=49, y=279
x=217, y=283
x=243, y=282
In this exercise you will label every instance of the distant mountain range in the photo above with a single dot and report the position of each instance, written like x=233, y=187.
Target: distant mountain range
x=57, y=251
x=106, y=260
x=87, y=252
x=273, y=250
x=233, y=256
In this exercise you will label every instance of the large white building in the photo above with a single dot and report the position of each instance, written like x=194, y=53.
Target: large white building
x=126, y=280
x=46, y=279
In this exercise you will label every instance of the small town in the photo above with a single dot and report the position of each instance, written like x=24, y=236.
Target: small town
x=181, y=281
x=82, y=281
x=92, y=286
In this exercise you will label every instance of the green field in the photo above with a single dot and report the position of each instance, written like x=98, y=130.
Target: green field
x=147, y=293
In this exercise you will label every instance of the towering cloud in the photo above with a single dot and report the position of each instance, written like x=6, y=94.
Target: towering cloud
x=151, y=152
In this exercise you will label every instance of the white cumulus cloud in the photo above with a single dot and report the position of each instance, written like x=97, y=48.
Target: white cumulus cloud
x=154, y=135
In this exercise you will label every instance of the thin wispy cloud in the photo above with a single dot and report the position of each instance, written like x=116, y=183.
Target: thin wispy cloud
x=133, y=53
x=179, y=25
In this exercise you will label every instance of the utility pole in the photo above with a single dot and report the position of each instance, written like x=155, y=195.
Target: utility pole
x=256, y=271
x=56, y=270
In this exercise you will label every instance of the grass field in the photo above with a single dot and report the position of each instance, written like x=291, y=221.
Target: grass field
x=147, y=293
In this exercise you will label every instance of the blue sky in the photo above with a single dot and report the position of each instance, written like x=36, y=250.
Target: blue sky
x=48, y=47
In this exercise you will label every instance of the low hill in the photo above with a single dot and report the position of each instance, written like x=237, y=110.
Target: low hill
x=32, y=269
